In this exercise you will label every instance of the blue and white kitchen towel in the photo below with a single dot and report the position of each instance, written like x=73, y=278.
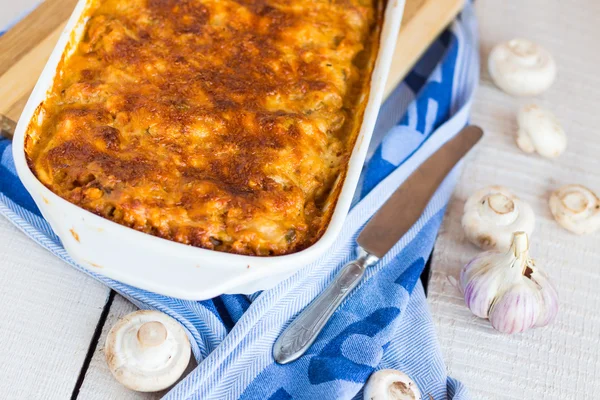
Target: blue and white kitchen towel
x=385, y=322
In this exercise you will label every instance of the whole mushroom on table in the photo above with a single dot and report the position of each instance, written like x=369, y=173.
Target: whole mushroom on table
x=521, y=67
x=390, y=384
x=493, y=214
x=576, y=208
x=147, y=351
x=540, y=131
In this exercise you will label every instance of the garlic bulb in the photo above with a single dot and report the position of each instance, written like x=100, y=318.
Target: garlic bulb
x=389, y=384
x=509, y=289
x=576, y=208
x=540, y=131
x=492, y=214
x=521, y=67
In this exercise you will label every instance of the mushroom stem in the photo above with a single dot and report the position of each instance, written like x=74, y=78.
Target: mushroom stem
x=399, y=391
x=390, y=384
x=576, y=208
x=501, y=204
x=493, y=214
x=500, y=208
x=575, y=202
x=152, y=334
x=525, y=50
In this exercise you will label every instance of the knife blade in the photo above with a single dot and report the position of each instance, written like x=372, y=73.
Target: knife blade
x=407, y=203
x=397, y=215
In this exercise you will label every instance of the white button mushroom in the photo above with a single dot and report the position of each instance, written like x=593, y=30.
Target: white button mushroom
x=540, y=131
x=521, y=67
x=147, y=351
x=576, y=208
x=389, y=384
x=493, y=214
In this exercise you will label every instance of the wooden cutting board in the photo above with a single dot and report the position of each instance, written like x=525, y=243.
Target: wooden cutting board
x=25, y=48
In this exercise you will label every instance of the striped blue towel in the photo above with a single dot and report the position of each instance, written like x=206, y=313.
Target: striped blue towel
x=385, y=322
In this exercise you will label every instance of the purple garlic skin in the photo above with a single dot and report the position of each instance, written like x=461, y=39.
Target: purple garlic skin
x=509, y=289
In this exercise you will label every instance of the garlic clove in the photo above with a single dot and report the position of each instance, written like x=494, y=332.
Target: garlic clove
x=521, y=67
x=492, y=214
x=540, y=131
x=479, y=293
x=549, y=298
x=390, y=384
x=516, y=311
x=509, y=289
x=576, y=208
x=147, y=351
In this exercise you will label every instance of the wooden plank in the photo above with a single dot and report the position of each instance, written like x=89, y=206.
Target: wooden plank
x=422, y=22
x=99, y=384
x=561, y=361
x=49, y=310
x=17, y=81
x=32, y=29
x=13, y=111
x=24, y=50
x=49, y=314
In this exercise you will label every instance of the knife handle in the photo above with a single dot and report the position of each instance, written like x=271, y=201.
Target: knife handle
x=7, y=127
x=303, y=331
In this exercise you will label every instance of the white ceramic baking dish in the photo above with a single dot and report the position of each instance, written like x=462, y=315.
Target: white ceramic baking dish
x=168, y=267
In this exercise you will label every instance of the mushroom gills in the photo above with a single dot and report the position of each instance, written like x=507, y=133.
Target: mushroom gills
x=492, y=214
x=400, y=391
x=576, y=208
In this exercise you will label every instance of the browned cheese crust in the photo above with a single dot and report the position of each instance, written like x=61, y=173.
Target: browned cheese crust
x=221, y=124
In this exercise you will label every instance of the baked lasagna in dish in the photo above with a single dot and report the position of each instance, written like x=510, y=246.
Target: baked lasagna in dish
x=222, y=124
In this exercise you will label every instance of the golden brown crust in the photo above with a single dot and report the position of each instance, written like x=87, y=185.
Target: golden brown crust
x=217, y=123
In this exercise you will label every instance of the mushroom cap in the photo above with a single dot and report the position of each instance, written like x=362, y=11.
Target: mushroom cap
x=576, y=208
x=540, y=131
x=390, y=384
x=493, y=214
x=521, y=67
x=147, y=351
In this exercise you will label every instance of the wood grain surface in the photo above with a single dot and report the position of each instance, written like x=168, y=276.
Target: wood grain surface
x=422, y=22
x=561, y=361
x=48, y=315
x=24, y=50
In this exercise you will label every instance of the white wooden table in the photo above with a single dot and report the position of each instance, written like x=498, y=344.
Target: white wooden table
x=561, y=361
x=53, y=320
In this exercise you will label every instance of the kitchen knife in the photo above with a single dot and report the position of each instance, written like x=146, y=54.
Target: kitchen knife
x=399, y=213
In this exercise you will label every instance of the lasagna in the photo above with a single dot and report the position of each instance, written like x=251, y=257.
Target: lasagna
x=222, y=124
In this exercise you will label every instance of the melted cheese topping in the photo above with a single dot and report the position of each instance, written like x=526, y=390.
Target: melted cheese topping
x=221, y=124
